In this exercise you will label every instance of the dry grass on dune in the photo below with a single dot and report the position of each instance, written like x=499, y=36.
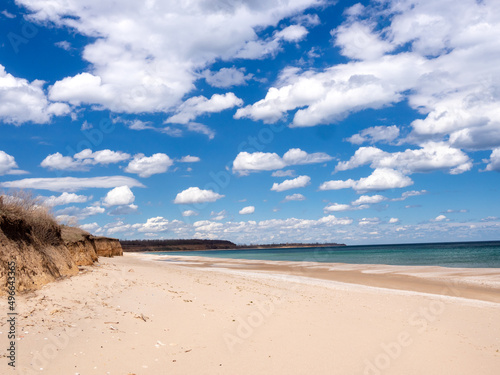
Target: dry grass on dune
x=22, y=207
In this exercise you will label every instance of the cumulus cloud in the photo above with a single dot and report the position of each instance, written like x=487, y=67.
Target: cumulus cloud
x=140, y=63
x=432, y=156
x=440, y=218
x=189, y=159
x=71, y=184
x=64, y=198
x=295, y=183
x=445, y=66
x=199, y=105
x=393, y=220
x=329, y=96
x=146, y=166
x=226, y=77
x=247, y=210
x=493, y=161
x=246, y=162
x=83, y=160
x=23, y=101
x=90, y=227
x=367, y=199
x=121, y=195
x=8, y=164
x=383, y=134
x=257, y=161
x=380, y=179
x=358, y=41
x=294, y=197
x=188, y=213
x=196, y=195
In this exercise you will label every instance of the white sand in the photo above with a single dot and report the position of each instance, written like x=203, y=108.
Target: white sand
x=135, y=316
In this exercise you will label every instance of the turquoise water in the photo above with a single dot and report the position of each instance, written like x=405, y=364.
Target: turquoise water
x=457, y=254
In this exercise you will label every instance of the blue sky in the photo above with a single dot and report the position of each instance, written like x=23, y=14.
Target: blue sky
x=256, y=121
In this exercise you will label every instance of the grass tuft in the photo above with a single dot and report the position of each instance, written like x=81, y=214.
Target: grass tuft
x=20, y=206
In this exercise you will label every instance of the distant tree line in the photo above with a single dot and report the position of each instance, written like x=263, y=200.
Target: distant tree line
x=199, y=244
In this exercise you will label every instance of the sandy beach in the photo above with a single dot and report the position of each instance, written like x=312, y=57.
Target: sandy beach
x=135, y=315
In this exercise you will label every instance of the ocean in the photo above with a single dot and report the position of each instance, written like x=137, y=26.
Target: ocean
x=454, y=254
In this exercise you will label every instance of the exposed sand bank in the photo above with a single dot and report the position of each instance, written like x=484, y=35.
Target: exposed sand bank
x=131, y=315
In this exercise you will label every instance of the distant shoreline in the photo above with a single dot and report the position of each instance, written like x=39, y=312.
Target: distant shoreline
x=140, y=246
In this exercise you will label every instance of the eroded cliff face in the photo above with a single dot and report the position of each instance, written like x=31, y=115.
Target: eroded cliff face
x=107, y=247
x=80, y=244
x=36, y=264
x=39, y=263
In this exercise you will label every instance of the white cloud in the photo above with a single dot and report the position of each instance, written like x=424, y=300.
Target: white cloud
x=383, y=134
x=258, y=49
x=247, y=210
x=298, y=182
x=367, y=199
x=296, y=156
x=446, y=67
x=64, y=44
x=71, y=184
x=369, y=221
x=8, y=164
x=83, y=160
x=393, y=220
x=64, y=198
x=189, y=159
x=432, y=156
x=292, y=33
x=226, y=77
x=145, y=57
x=196, y=195
x=335, y=207
x=358, y=41
x=221, y=215
x=287, y=173
x=246, y=162
x=188, y=213
x=101, y=157
x=294, y=197
x=177, y=130
x=380, y=179
x=79, y=213
x=119, y=196
x=337, y=184
x=60, y=162
x=23, y=101
x=383, y=179
x=440, y=218
x=329, y=96
x=90, y=227
x=494, y=161
x=199, y=105
x=146, y=166
x=411, y=193
x=8, y=14
x=257, y=161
